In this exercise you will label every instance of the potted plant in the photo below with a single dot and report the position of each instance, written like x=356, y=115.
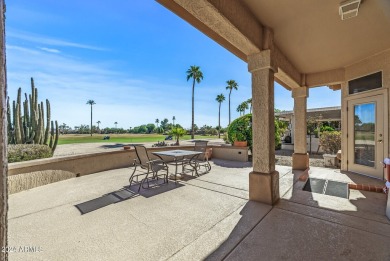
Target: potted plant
x=331, y=144
x=240, y=140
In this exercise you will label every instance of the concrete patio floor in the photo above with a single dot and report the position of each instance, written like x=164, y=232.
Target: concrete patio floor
x=207, y=217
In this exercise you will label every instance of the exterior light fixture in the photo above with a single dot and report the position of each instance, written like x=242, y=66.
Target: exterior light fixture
x=349, y=9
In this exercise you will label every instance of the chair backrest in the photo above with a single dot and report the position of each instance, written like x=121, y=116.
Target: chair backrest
x=201, y=145
x=142, y=155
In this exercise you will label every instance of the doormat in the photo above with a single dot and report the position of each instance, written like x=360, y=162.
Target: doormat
x=327, y=187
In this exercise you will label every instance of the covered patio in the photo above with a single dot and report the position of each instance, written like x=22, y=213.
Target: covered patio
x=303, y=45
x=203, y=218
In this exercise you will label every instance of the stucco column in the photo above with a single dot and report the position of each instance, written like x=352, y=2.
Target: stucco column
x=3, y=140
x=263, y=180
x=300, y=157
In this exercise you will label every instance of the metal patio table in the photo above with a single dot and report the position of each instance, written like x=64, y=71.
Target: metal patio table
x=178, y=157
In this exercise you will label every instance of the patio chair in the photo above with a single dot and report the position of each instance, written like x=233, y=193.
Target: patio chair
x=200, y=160
x=147, y=167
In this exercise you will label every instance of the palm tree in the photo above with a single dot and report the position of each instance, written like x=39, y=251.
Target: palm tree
x=116, y=124
x=173, y=120
x=220, y=98
x=231, y=84
x=196, y=74
x=91, y=102
x=98, y=128
x=249, y=101
x=244, y=106
x=240, y=109
x=177, y=133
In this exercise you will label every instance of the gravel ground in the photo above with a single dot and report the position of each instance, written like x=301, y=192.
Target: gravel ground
x=284, y=158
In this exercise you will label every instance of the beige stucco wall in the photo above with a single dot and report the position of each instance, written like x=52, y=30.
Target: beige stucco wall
x=231, y=153
x=379, y=62
x=79, y=165
x=21, y=182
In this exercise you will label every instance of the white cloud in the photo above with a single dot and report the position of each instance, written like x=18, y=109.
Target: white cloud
x=50, y=50
x=44, y=40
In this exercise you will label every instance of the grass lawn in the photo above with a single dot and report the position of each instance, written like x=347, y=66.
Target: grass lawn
x=120, y=138
x=364, y=135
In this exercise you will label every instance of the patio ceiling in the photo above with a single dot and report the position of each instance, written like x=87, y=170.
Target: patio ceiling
x=313, y=37
x=311, y=44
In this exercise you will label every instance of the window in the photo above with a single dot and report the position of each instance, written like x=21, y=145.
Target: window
x=366, y=83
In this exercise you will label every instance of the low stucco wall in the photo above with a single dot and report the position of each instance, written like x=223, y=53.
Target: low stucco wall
x=34, y=173
x=230, y=153
x=21, y=182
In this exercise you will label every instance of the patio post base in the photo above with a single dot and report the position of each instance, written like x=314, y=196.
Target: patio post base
x=264, y=187
x=300, y=161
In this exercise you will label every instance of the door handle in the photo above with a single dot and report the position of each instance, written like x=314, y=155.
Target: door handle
x=380, y=141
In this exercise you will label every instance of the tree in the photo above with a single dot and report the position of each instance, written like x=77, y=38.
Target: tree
x=231, y=85
x=164, y=124
x=116, y=124
x=357, y=120
x=98, y=123
x=173, y=120
x=91, y=102
x=244, y=107
x=249, y=101
x=177, y=133
x=240, y=109
x=157, y=121
x=63, y=128
x=196, y=74
x=220, y=98
x=150, y=127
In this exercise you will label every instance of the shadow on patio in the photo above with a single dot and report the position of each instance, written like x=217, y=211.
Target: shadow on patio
x=207, y=217
x=124, y=194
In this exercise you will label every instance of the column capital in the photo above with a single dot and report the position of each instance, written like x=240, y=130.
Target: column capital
x=301, y=92
x=263, y=60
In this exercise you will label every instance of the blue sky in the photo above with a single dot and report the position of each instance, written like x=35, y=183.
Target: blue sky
x=131, y=58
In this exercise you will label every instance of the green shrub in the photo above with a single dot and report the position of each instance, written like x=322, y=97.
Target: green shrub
x=330, y=141
x=225, y=138
x=323, y=129
x=326, y=128
x=278, y=132
x=241, y=130
x=24, y=152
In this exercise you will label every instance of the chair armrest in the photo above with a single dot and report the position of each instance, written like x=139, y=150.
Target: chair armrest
x=156, y=161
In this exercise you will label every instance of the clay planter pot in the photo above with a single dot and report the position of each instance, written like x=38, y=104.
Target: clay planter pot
x=240, y=144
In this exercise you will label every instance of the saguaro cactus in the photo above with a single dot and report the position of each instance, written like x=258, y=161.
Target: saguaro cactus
x=30, y=128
